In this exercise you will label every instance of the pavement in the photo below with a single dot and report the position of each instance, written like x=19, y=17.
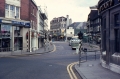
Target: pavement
x=41, y=50
x=92, y=69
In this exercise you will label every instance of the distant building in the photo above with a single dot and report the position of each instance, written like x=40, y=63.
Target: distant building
x=76, y=27
x=58, y=26
x=42, y=25
x=93, y=26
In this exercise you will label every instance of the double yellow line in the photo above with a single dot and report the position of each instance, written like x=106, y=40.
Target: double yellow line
x=70, y=71
x=53, y=49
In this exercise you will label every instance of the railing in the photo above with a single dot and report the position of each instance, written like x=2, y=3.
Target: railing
x=86, y=54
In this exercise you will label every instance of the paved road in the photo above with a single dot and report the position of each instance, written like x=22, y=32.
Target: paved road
x=45, y=66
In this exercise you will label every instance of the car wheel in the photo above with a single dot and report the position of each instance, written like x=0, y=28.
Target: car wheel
x=72, y=48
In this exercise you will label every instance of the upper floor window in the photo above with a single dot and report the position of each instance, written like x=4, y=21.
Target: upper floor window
x=12, y=11
x=7, y=10
x=33, y=10
x=17, y=12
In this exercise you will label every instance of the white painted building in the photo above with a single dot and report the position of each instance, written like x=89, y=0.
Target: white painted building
x=70, y=32
x=42, y=26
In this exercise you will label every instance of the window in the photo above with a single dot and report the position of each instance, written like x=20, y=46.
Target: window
x=33, y=10
x=17, y=12
x=33, y=25
x=116, y=19
x=104, y=33
x=7, y=10
x=16, y=31
x=11, y=11
x=116, y=32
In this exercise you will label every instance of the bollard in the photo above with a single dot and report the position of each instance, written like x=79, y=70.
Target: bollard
x=77, y=50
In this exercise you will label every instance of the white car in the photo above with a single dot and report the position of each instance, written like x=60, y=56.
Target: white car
x=73, y=39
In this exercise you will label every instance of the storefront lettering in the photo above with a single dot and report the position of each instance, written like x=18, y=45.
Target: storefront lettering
x=106, y=5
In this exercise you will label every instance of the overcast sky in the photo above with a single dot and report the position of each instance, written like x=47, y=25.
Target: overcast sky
x=77, y=10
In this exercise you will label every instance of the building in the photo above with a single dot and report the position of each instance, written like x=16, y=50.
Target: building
x=109, y=11
x=58, y=26
x=42, y=25
x=75, y=28
x=14, y=24
x=33, y=38
x=93, y=26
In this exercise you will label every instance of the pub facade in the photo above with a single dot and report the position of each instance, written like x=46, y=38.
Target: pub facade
x=109, y=12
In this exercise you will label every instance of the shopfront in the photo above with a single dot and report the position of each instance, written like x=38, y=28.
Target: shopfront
x=11, y=38
x=109, y=11
x=5, y=37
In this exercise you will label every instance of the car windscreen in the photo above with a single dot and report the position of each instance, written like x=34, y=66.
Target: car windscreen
x=75, y=39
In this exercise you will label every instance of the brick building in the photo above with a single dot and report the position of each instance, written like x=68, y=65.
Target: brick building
x=18, y=24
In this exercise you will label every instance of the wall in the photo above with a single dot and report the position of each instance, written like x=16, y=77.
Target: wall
x=33, y=16
x=24, y=10
x=2, y=8
x=69, y=32
x=14, y=2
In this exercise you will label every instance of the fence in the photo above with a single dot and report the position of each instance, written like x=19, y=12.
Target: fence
x=88, y=52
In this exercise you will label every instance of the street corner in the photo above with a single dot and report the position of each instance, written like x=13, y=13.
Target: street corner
x=79, y=72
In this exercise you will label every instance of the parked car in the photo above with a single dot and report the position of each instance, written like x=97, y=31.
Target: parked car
x=74, y=42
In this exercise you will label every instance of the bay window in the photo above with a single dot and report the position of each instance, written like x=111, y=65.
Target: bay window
x=11, y=11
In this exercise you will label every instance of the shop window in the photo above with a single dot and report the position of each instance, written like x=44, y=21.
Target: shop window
x=104, y=23
x=116, y=32
x=104, y=33
x=16, y=31
x=5, y=30
x=117, y=19
x=104, y=44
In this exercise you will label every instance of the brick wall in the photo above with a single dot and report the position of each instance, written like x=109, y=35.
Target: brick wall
x=24, y=11
x=33, y=17
x=2, y=8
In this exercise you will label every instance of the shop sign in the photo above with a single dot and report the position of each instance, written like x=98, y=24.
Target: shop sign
x=106, y=5
x=27, y=24
x=21, y=23
x=5, y=21
x=18, y=23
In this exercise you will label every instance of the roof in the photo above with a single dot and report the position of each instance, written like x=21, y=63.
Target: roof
x=93, y=14
x=77, y=25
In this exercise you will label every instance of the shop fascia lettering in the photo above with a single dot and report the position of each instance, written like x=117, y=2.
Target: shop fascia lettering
x=106, y=5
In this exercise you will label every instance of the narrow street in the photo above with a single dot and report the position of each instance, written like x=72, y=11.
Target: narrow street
x=46, y=66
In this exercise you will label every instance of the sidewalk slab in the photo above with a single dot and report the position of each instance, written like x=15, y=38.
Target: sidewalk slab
x=94, y=70
x=20, y=53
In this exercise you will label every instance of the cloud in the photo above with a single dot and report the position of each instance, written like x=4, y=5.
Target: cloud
x=86, y=3
x=77, y=10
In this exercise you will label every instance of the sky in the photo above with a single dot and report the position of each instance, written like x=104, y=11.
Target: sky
x=77, y=10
